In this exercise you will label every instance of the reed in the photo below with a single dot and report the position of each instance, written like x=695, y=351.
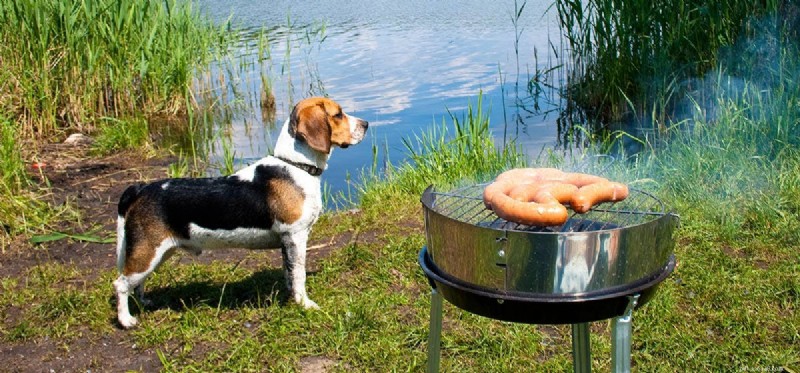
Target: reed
x=444, y=155
x=228, y=157
x=710, y=91
x=115, y=135
x=13, y=174
x=628, y=59
x=68, y=63
x=22, y=209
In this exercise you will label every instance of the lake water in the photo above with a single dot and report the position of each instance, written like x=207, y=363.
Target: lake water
x=401, y=65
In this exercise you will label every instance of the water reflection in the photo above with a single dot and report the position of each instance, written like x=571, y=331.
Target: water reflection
x=399, y=65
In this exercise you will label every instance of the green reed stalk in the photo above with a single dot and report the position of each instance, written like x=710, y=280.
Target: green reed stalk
x=12, y=167
x=70, y=62
x=640, y=49
x=228, y=166
x=445, y=155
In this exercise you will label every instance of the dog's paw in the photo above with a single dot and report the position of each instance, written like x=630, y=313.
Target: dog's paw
x=127, y=322
x=308, y=304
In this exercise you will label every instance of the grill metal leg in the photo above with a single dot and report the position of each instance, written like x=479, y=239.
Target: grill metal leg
x=435, y=332
x=581, y=348
x=621, y=334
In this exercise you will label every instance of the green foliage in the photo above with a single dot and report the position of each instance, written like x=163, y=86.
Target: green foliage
x=70, y=62
x=121, y=134
x=731, y=170
x=722, y=148
x=13, y=175
x=444, y=156
x=20, y=209
x=632, y=59
x=227, y=166
x=179, y=168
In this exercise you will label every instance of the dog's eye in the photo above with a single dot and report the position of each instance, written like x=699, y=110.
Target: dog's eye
x=338, y=115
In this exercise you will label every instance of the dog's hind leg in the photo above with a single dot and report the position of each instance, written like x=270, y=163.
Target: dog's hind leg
x=139, y=293
x=123, y=286
x=139, y=264
x=294, y=267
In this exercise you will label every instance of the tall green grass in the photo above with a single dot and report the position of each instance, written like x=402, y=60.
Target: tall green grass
x=13, y=174
x=446, y=154
x=630, y=59
x=20, y=209
x=68, y=63
x=740, y=169
x=121, y=134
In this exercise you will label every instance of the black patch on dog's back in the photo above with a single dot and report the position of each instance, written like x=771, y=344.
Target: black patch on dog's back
x=214, y=203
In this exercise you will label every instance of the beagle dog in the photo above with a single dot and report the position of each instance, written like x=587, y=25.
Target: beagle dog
x=270, y=204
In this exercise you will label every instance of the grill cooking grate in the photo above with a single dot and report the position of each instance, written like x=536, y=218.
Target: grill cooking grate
x=465, y=204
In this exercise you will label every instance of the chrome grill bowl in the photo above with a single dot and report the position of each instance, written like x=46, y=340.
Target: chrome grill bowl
x=612, y=247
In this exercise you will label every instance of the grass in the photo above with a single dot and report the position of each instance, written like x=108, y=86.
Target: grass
x=22, y=208
x=630, y=61
x=102, y=68
x=14, y=172
x=69, y=63
x=118, y=135
x=444, y=154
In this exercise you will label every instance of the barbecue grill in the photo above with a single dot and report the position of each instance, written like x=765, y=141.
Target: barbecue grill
x=598, y=265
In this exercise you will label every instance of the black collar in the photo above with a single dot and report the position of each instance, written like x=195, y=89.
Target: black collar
x=311, y=170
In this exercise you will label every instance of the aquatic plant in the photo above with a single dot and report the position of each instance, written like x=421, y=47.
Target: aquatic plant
x=722, y=145
x=446, y=154
x=21, y=209
x=68, y=63
x=630, y=61
x=13, y=173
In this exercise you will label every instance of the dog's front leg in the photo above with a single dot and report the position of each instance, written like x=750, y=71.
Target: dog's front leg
x=294, y=267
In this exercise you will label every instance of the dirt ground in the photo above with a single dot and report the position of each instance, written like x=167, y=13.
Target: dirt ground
x=94, y=184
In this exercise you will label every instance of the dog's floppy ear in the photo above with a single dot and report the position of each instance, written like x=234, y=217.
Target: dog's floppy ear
x=310, y=123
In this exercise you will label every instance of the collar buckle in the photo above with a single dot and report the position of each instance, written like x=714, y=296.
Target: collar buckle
x=311, y=170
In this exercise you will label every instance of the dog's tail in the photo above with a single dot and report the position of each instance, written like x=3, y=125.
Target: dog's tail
x=125, y=201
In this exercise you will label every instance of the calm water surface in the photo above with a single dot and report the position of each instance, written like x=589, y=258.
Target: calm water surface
x=399, y=65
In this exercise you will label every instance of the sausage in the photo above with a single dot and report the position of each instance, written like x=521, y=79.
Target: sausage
x=497, y=187
x=546, y=192
x=511, y=178
x=537, y=204
x=529, y=213
x=592, y=194
x=581, y=180
x=535, y=196
x=555, y=192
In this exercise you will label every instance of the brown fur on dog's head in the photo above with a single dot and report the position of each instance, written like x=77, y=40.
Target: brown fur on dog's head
x=321, y=123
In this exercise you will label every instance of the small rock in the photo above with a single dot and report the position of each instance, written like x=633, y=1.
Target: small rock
x=78, y=139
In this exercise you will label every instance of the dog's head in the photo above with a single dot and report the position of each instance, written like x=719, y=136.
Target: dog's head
x=321, y=123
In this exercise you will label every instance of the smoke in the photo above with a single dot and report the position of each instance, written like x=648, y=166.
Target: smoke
x=756, y=73
x=754, y=64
